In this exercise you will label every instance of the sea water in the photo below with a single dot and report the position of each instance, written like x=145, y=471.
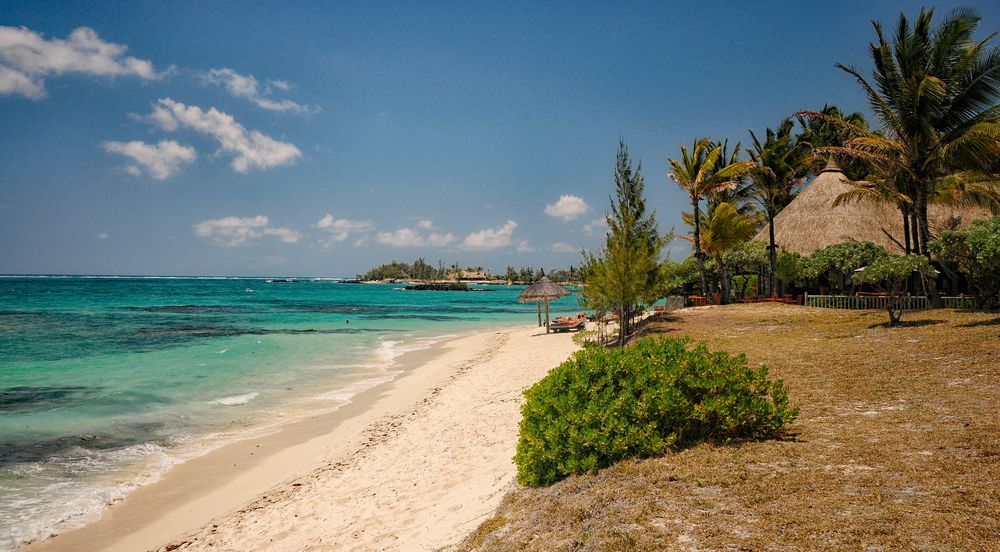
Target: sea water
x=107, y=382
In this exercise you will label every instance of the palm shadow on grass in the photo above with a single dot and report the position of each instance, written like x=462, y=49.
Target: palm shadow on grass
x=979, y=323
x=906, y=324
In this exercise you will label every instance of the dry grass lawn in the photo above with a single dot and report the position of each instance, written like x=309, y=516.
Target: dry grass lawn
x=897, y=448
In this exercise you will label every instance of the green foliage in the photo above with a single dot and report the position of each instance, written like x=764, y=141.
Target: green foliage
x=782, y=162
x=585, y=338
x=790, y=266
x=844, y=258
x=674, y=277
x=602, y=406
x=976, y=253
x=572, y=274
x=625, y=273
x=890, y=273
x=830, y=127
x=893, y=269
x=746, y=258
x=700, y=172
x=392, y=270
x=934, y=91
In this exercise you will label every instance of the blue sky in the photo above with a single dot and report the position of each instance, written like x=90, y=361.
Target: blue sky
x=324, y=138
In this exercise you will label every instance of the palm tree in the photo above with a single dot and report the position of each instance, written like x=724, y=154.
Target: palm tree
x=781, y=163
x=832, y=128
x=726, y=228
x=967, y=189
x=935, y=93
x=740, y=193
x=699, y=172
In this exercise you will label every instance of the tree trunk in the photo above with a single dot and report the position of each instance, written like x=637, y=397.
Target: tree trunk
x=894, y=306
x=921, y=207
x=726, y=288
x=697, y=247
x=914, y=242
x=906, y=229
x=933, y=295
x=772, y=251
x=546, y=316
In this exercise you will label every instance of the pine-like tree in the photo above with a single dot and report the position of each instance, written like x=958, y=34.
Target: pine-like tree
x=623, y=275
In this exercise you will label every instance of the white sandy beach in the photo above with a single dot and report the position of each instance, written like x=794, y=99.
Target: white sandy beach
x=414, y=464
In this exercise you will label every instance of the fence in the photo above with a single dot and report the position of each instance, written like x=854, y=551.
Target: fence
x=878, y=302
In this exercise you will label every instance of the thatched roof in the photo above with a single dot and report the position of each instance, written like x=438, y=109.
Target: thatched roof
x=811, y=222
x=541, y=290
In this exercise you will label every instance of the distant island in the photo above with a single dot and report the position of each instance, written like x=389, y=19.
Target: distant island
x=420, y=274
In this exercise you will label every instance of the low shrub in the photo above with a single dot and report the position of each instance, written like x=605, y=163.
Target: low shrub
x=602, y=406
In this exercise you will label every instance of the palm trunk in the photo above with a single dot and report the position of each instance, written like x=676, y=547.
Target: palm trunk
x=697, y=247
x=915, y=243
x=906, y=229
x=726, y=288
x=921, y=207
x=772, y=250
x=933, y=295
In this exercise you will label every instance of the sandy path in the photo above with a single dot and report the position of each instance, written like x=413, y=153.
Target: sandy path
x=422, y=477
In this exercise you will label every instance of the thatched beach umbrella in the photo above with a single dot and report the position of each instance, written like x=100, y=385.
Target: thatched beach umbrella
x=543, y=290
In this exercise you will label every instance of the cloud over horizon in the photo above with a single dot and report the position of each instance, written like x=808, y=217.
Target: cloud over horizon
x=409, y=237
x=341, y=229
x=27, y=58
x=250, y=149
x=235, y=231
x=567, y=208
x=489, y=238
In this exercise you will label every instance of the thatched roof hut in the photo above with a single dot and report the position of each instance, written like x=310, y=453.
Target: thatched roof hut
x=811, y=222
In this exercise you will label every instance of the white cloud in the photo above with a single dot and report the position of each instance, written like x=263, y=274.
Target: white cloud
x=246, y=87
x=489, y=238
x=233, y=231
x=408, y=237
x=404, y=237
x=341, y=229
x=251, y=149
x=596, y=226
x=280, y=85
x=161, y=160
x=425, y=224
x=567, y=208
x=563, y=247
x=27, y=58
x=525, y=247
x=440, y=240
x=102, y=236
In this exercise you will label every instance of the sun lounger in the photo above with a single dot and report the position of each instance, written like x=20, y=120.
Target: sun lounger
x=577, y=324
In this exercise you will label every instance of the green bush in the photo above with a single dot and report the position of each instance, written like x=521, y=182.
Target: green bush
x=602, y=406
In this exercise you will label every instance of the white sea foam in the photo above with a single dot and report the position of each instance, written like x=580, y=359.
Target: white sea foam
x=56, y=504
x=346, y=393
x=236, y=400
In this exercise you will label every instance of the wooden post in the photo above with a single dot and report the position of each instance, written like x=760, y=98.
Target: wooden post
x=539, y=305
x=546, y=316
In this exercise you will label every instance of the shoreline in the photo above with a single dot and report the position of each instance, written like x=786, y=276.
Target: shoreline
x=218, y=484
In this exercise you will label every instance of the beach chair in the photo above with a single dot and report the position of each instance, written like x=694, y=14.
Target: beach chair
x=567, y=325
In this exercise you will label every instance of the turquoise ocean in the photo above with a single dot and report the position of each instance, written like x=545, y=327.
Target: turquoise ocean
x=105, y=382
